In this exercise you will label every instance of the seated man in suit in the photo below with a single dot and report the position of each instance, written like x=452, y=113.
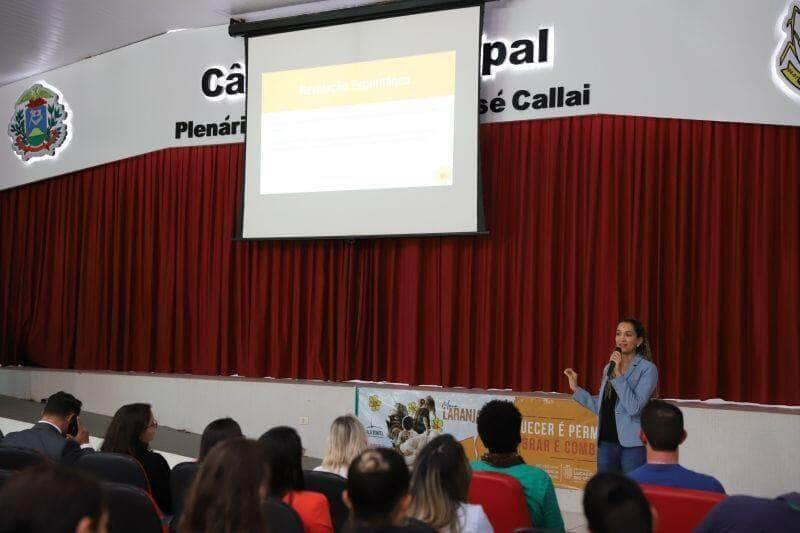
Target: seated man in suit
x=662, y=432
x=51, y=436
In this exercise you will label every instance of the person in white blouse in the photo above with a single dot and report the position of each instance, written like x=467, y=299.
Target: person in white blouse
x=346, y=441
x=439, y=486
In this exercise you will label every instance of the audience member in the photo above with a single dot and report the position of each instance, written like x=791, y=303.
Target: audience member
x=131, y=431
x=499, y=425
x=285, y=455
x=662, y=432
x=439, y=487
x=377, y=494
x=347, y=439
x=614, y=503
x=59, y=434
x=747, y=514
x=217, y=431
x=230, y=494
x=52, y=499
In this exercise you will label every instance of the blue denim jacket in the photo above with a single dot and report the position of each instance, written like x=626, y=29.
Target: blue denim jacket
x=634, y=388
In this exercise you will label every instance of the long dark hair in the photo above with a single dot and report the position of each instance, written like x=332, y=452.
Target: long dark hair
x=216, y=432
x=285, y=456
x=228, y=490
x=125, y=430
x=440, y=483
x=643, y=349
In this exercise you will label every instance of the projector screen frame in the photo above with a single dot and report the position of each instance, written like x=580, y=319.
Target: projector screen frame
x=346, y=16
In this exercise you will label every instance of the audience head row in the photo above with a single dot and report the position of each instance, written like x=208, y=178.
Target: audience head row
x=238, y=475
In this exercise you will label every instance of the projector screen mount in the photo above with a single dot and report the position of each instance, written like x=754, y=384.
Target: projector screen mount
x=344, y=16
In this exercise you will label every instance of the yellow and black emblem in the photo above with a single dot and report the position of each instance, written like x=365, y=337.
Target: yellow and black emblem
x=788, y=59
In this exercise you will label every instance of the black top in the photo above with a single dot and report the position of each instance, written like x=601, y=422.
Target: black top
x=608, y=420
x=157, y=470
x=280, y=517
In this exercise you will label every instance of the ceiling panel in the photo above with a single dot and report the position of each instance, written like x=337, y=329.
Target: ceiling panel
x=40, y=35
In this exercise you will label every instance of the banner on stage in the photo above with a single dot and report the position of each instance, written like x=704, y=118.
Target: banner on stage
x=558, y=435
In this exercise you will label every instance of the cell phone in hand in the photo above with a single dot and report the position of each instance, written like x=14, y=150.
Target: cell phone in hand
x=72, y=429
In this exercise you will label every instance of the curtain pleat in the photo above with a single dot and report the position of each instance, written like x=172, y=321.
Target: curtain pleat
x=691, y=226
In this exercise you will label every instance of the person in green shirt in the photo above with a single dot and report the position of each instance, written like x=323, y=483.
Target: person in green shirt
x=499, y=427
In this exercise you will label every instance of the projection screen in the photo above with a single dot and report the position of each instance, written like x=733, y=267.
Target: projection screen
x=366, y=128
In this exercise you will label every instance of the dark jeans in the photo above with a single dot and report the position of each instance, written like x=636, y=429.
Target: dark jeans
x=616, y=458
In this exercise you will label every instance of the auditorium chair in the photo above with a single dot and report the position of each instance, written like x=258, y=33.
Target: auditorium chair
x=4, y=475
x=12, y=458
x=179, y=482
x=502, y=499
x=114, y=467
x=132, y=510
x=332, y=487
x=680, y=510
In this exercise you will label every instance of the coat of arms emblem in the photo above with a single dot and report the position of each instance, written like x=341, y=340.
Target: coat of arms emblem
x=787, y=60
x=38, y=124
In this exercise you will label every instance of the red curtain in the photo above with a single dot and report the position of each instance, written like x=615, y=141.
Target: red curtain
x=691, y=226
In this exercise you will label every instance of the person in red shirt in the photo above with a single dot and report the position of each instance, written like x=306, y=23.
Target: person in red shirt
x=285, y=453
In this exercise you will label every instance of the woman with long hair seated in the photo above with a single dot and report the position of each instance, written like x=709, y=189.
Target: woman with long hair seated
x=285, y=455
x=131, y=431
x=346, y=440
x=230, y=494
x=439, y=486
x=215, y=432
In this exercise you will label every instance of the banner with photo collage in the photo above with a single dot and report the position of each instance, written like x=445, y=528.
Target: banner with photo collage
x=558, y=435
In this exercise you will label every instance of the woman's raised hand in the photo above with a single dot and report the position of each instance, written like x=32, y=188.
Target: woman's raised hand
x=572, y=376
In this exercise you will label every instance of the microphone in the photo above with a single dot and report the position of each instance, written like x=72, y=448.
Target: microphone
x=612, y=365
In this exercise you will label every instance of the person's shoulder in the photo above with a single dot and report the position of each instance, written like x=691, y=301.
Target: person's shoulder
x=532, y=471
x=639, y=474
x=647, y=365
x=414, y=526
x=36, y=428
x=739, y=504
x=152, y=457
x=281, y=516
x=708, y=481
x=472, y=511
x=13, y=436
x=309, y=498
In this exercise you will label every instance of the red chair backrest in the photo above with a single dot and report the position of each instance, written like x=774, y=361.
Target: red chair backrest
x=680, y=510
x=502, y=499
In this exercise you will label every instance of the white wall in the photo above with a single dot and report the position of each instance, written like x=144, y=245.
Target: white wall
x=189, y=403
x=750, y=452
